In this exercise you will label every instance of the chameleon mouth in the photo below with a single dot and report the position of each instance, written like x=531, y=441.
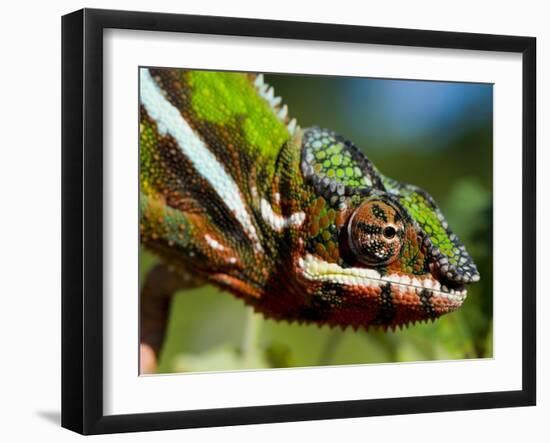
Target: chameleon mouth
x=314, y=268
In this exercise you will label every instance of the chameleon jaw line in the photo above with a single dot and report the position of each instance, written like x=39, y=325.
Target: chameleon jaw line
x=316, y=269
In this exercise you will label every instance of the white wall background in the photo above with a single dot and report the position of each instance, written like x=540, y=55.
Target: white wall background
x=30, y=218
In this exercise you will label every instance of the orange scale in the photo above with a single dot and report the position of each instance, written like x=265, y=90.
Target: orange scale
x=439, y=301
x=399, y=297
x=414, y=299
x=373, y=292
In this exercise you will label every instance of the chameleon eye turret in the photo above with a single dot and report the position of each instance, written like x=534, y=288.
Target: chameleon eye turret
x=376, y=233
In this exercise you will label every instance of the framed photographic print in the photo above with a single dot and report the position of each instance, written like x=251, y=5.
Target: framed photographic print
x=270, y=221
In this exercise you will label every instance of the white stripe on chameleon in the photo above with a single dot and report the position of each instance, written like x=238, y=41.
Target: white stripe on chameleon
x=169, y=120
x=319, y=270
x=213, y=243
x=278, y=222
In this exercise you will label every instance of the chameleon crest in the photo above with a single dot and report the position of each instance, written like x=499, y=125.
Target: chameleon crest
x=296, y=222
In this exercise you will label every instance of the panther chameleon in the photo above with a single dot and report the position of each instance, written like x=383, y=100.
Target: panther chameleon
x=297, y=223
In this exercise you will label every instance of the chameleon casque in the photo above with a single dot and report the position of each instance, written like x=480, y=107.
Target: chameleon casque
x=296, y=222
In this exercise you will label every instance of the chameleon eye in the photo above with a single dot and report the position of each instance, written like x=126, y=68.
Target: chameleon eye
x=376, y=232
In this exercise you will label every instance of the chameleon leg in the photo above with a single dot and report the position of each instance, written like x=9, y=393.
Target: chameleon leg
x=161, y=283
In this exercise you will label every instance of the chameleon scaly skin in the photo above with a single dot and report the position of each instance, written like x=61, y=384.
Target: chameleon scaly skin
x=296, y=222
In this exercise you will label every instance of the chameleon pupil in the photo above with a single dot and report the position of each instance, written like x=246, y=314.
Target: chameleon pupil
x=389, y=232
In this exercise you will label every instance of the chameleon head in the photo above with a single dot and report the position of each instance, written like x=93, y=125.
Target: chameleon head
x=393, y=259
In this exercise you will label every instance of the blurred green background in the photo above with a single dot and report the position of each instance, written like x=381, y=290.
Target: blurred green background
x=436, y=135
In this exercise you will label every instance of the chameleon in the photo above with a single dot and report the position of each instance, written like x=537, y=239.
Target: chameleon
x=296, y=222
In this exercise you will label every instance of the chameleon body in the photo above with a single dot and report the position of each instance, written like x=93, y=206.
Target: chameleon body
x=296, y=222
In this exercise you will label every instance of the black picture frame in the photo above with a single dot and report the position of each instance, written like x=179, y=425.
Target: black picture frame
x=82, y=221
